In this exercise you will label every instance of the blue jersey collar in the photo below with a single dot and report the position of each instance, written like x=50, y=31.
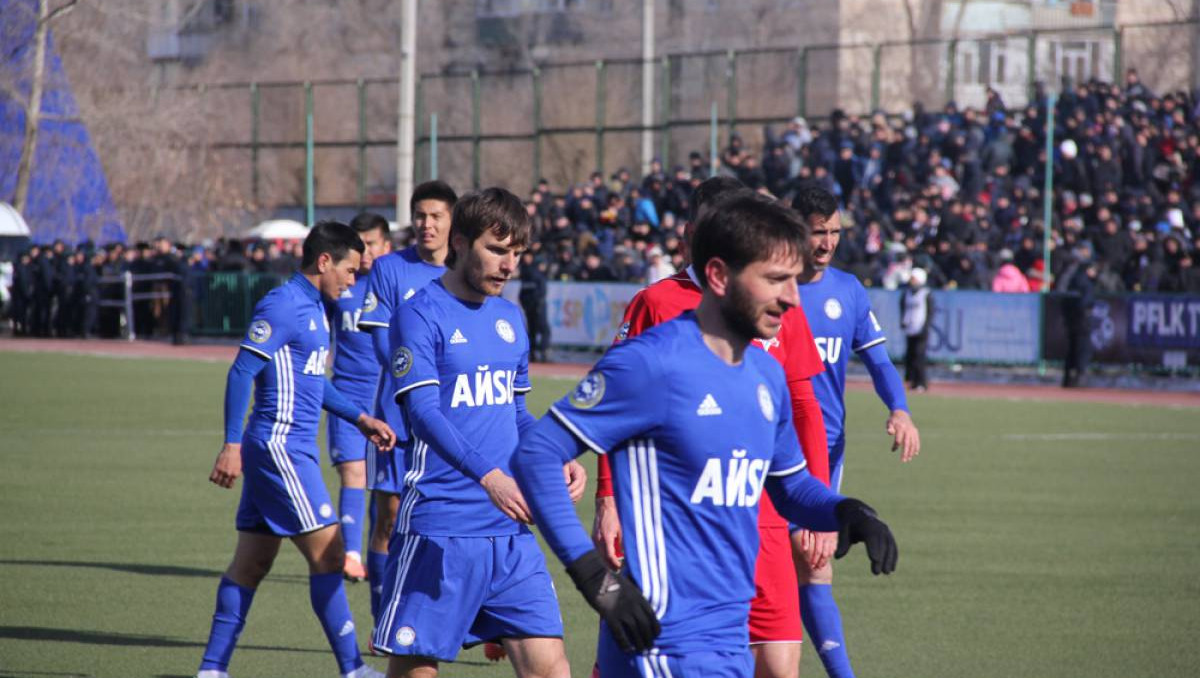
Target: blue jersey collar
x=305, y=286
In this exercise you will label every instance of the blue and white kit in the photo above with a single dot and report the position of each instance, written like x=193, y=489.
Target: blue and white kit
x=355, y=372
x=842, y=323
x=459, y=571
x=393, y=280
x=692, y=442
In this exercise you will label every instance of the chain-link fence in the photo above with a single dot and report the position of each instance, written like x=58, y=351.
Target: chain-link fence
x=562, y=121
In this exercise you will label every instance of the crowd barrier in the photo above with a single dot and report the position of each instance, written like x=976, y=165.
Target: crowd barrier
x=1153, y=330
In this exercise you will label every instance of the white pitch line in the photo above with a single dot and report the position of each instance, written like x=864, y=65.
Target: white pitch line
x=1082, y=435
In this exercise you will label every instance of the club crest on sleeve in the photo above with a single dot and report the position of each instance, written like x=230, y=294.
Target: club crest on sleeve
x=833, y=309
x=765, y=403
x=402, y=362
x=623, y=333
x=370, y=302
x=260, y=331
x=588, y=392
x=505, y=331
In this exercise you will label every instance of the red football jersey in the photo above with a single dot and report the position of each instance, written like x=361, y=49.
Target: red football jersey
x=793, y=347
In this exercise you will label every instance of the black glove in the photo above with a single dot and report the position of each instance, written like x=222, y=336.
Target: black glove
x=618, y=600
x=858, y=522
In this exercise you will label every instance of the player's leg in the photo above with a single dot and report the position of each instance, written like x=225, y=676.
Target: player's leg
x=412, y=667
x=538, y=657
x=822, y=619
x=252, y=560
x=348, y=450
x=775, y=628
x=522, y=610
x=384, y=506
x=352, y=507
x=325, y=554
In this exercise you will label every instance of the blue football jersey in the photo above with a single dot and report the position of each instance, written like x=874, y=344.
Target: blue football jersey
x=394, y=279
x=290, y=329
x=691, y=440
x=840, y=316
x=477, y=356
x=355, y=366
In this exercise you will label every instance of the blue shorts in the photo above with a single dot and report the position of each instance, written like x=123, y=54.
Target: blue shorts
x=346, y=442
x=656, y=664
x=283, y=492
x=385, y=470
x=442, y=594
x=837, y=464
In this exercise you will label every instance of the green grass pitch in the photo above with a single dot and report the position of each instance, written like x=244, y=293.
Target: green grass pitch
x=1037, y=539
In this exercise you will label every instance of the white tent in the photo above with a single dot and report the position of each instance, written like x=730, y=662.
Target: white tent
x=11, y=223
x=279, y=229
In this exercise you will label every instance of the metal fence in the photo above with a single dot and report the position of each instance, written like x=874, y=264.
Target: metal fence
x=564, y=120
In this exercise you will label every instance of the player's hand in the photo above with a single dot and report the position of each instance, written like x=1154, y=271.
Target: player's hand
x=817, y=547
x=905, y=436
x=859, y=523
x=606, y=531
x=377, y=431
x=507, y=497
x=576, y=477
x=629, y=616
x=228, y=467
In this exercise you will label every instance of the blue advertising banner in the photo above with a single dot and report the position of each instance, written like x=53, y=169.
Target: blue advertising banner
x=969, y=326
x=587, y=314
x=1161, y=321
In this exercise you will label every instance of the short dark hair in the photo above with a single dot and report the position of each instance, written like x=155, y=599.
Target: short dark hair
x=746, y=229
x=333, y=238
x=812, y=198
x=708, y=191
x=495, y=209
x=365, y=222
x=433, y=190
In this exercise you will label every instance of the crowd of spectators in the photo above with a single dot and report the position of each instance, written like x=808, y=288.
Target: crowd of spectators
x=956, y=192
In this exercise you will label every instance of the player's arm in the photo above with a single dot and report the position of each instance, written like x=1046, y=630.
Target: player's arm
x=818, y=547
x=377, y=310
x=807, y=502
x=238, y=385
x=602, y=411
x=869, y=346
x=377, y=431
x=606, y=526
x=413, y=370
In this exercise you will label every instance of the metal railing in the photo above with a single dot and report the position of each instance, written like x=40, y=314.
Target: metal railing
x=564, y=120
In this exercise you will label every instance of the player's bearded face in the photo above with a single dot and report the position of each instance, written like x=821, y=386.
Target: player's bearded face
x=757, y=296
x=431, y=225
x=823, y=240
x=489, y=263
x=337, y=277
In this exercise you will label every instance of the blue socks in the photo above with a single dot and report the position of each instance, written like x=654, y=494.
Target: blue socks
x=329, y=603
x=352, y=505
x=233, y=603
x=376, y=568
x=824, y=625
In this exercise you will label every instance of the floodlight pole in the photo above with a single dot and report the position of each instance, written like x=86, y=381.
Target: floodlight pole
x=406, y=129
x=1048, y=191
x=647, y=85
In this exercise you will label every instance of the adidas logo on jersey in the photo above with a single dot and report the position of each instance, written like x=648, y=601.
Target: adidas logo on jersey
x=708, y=407
x=312, y=324
x=457, y=337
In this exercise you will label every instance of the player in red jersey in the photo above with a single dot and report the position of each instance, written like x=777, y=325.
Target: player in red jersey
x=775, y=626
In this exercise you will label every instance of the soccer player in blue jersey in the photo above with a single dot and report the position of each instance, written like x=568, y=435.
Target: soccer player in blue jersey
x=463, y=567
x=696, y=425
x=842, y=323
x=394, y=279
x=283, y=358
x=356, y=375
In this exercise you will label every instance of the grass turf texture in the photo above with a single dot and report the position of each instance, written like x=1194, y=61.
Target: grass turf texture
x=1037, y=539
